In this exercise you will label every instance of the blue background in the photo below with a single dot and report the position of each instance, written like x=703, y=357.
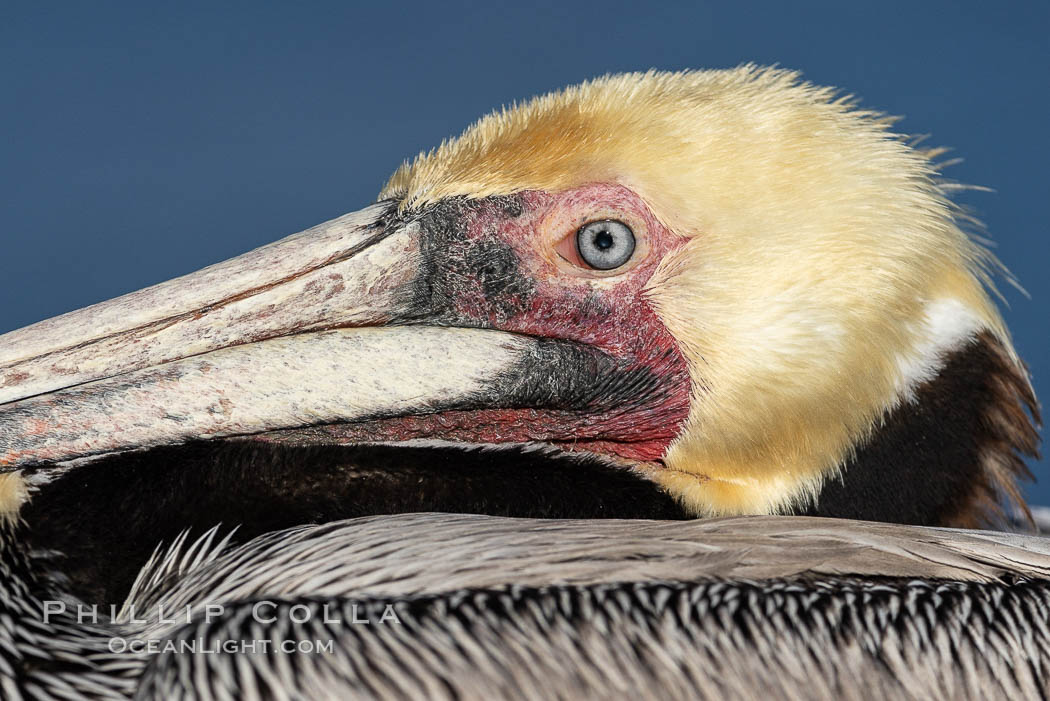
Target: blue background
x=143, y=142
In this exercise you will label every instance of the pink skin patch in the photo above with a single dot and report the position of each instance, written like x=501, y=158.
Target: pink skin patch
x=557, y=298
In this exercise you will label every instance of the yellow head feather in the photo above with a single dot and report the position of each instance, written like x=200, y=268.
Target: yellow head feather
x=13, y=493
x=818, y=242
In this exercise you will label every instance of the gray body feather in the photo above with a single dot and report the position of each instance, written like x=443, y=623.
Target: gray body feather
x=487, y=607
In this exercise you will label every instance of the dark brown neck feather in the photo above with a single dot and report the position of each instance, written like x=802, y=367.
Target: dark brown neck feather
x=954, y=455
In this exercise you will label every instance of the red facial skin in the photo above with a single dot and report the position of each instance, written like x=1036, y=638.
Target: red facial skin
x=555, y=296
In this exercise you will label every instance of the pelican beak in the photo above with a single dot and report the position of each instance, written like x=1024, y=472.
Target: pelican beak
x=328, y=326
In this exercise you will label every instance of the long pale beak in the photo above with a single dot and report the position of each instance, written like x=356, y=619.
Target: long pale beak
x=321, y=327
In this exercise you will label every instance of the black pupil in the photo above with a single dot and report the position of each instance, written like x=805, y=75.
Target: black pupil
x=603, y=240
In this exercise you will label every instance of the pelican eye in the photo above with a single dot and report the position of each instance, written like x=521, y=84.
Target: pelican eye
x=606, y=244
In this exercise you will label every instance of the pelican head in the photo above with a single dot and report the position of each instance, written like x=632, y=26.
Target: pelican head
x=739, y=289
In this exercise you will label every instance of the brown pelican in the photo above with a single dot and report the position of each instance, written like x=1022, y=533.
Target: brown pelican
x=647, y=298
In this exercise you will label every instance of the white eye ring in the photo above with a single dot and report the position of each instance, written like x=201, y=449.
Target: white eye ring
x=605, y=244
